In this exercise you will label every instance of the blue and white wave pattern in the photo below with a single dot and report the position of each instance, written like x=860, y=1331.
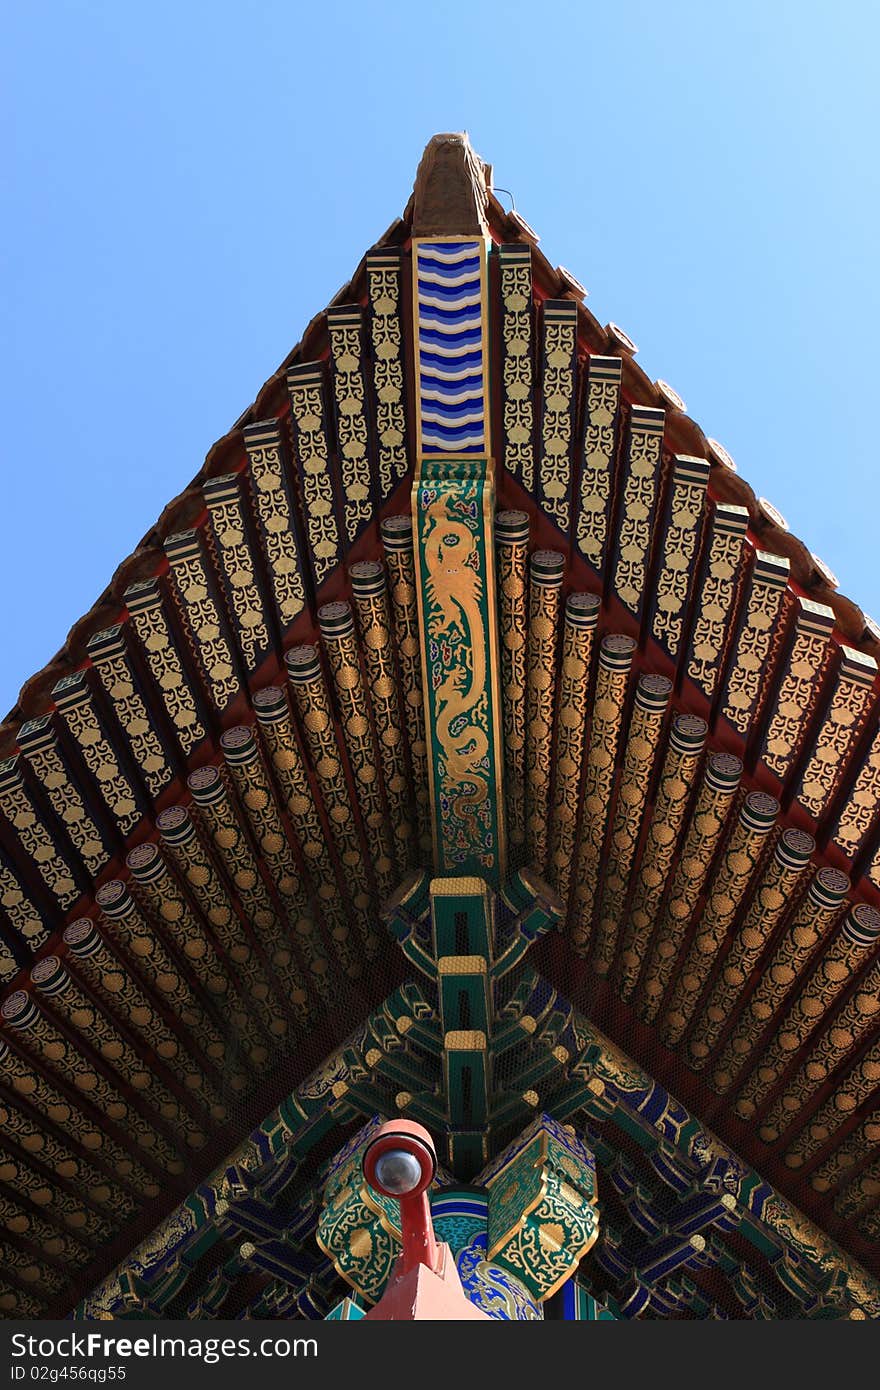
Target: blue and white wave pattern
x=451, y=349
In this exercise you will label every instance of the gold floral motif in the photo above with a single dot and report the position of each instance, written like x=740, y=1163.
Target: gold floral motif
x=670, y=803
x=235, y=562
x=345, y=328
x=204, y=882
x=28, y=1082
x=581, y=615
x=90, y=959
x=29, y=1269
x=313, y=705
x=679, y=546
x=807, y=925
x=383, y=288
x=771, y=898
x=860, y=808
x=855, y=1087
x=288, y=765
x=71, y=1064
x=727, y=890
x=374, y=624
x=114, y=672
x=125, y=923
x=275, y=515
x=21, y=912
x=251, y=781
x=144, y=603
x=841, y=727
x=840, y=960
x=757, y=645
x=43, y=1231
x=104, y=1036
x=306, y=388
x=615, y=658
x=39, y=745
x=706, y=827
x=72, y=698
x=337, y=630
x=545, y=591
x=207, y=631
x=643, y=741
x=863, y=1190
x=558, y=381
x=517, y=376
x=640, y=484
x=227, y=834
x=38, y=844
x=597, y=464
x=796, y=699
x=27, y=1181
x=717, y=597
x=400, y=561
x=21, y=1305
x=845, y=1032
x=858, y=1144
x=85, y=1178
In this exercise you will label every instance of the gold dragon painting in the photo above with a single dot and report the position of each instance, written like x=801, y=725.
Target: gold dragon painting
x=452, y=545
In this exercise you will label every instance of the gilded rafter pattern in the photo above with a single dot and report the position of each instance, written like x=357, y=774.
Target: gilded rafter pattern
x=397, y=540
x=262, y=905
x=756, y=645
x=807, y=924
x=370, y=592
x=276, y=518
x=798, y=691
x=681, y=538
x=581, y=616
x=715, y=596
x=51, y=765
x=779, y=883
x=310, y=694
x=841, y=726
x=612, y=679
x=264, y=908
x=126, y=924
x=110, y=658
x=851, y=1090
x=35, y=838
x=26, y=920
x=517, y=373
x=288, y=764
x=345, y=326
x=205, y=883
x=849, y=1027
x=338, y=634
x=238, y=576
x=545, y=591
x=150, y=623
x=708, y=820
x=558, y=396
x=389, y=378
x=200, y=605
x=738, y=860
x=312, y=456
x=639, y=487
x=840, y=961
x=643, y=742
x=686, y=739
x=601, y=411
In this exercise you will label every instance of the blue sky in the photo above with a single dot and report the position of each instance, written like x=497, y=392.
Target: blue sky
x=187, y=184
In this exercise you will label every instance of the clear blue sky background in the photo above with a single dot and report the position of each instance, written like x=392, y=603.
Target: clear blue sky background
x=186, y=184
